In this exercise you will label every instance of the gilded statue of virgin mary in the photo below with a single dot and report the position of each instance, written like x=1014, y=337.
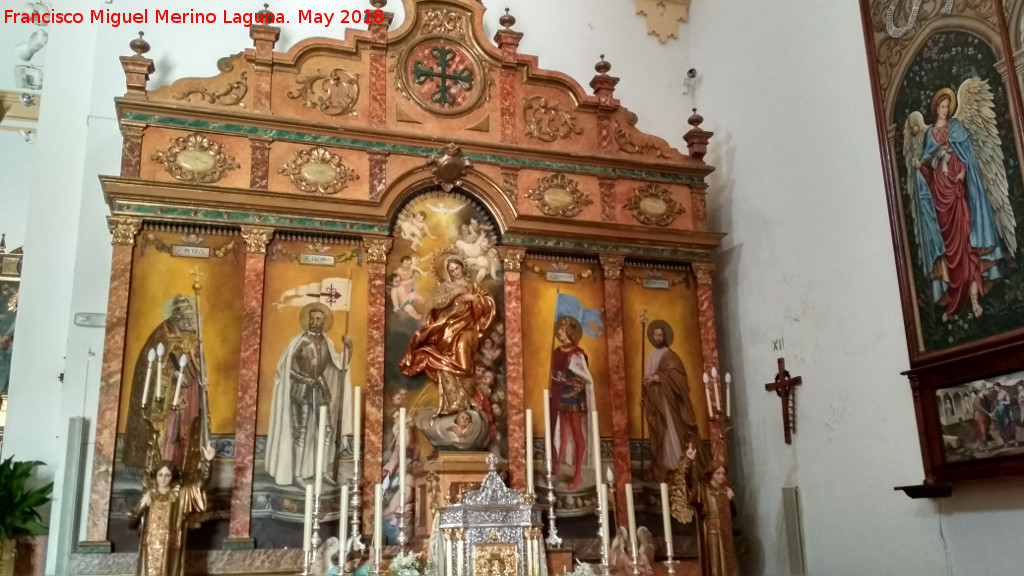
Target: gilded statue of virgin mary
x=446, y=345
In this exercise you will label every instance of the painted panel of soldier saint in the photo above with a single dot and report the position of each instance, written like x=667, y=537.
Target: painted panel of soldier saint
x=313, y=351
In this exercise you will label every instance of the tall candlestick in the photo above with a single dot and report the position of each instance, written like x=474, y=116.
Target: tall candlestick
x=403, y=441
x=707, y=391
x=605, y=526
x=529, y=451
x=149, y=374
x=159, y=370
x=321, y=434
x=181, y=376
x=595, y=432
x=343, y=527
x=718, y=388
x=728, y=399
x=378, y=522
x=666, y=518
x=631, y=515
x=357, y=421
x=307, y=521
x=547, y=426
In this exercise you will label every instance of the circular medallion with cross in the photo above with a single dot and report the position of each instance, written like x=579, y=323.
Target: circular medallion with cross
x=443, y=77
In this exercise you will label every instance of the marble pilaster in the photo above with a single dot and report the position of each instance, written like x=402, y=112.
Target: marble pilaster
x=256, y=240
x=612, y=266
x=131, y=149
x=259, y=174
x=512, y=259
x=709, y=350
x=123, y=230
x=376, y=251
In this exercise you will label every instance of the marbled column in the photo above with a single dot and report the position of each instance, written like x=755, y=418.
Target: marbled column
x=378, y=175
x=612, y=266
x=263, y=39
x=700, y=208
x=512, y=259
x=256, y=240
x=709, y=350
x=379, y=72
x=131, y=149
x=376, y=251
x=259, y=175
x=123, y=230
x=608, y=206
x=508, y=43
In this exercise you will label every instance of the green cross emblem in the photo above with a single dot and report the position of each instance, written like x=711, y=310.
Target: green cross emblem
x=447, y=79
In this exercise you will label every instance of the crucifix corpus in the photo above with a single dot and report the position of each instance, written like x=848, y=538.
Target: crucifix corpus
x=784, y=386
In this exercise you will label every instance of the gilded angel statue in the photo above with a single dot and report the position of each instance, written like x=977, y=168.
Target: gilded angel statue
x=959, y=199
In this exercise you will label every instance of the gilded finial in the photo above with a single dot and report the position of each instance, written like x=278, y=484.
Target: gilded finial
x=139, y=45
x=378, y=4
x=196, y=277
x=3, y=243
x=508, y=20
x=265, y=16
x=602, y=67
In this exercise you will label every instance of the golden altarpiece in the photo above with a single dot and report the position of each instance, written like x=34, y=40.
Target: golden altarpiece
x=331, y=200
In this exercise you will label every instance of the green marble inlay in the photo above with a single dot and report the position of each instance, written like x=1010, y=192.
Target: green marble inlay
x=249, y=218
x=623, y=249
x=384, y=147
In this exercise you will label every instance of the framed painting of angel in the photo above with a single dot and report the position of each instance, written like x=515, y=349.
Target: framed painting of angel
x=948, y=118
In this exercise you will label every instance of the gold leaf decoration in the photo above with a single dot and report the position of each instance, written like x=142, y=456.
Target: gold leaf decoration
x=195, y=158
x=653, y=205
x=559, y=195
x=318, y=171
x=230, y=96
x=547, y=121
x=333, y=94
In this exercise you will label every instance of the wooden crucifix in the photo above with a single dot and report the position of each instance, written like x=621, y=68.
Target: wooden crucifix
x=784, y=386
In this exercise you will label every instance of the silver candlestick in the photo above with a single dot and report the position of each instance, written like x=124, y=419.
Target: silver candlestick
x=353, y=504
x=605, y=569
x=670, y=565
x=314, y=540
x=307, y=563
x=403, y=539
x=553, y=540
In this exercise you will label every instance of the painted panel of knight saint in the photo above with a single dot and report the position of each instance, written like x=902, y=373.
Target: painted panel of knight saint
x=312, y=354
x=564, y=338
x=444, y=337
x=184, y=311
x=962, y=198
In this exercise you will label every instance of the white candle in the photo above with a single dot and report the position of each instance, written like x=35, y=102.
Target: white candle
x=666, y=518
x=307, y=522
x=343, y=529
x=605, y=526
x=728, y=399
x=321, y=434
x=547, y=427
x=707, y=391
x=378, y=521
x=149, y=374
x=529, y=451
x=631, y=515
x=718, y=388
x=181, y=376
x=403, y=441
x=357, y=422
x=159, y=370
x=595, y=432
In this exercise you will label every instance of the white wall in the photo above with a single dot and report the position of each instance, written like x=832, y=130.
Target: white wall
x=809, y=259
x=15, y=182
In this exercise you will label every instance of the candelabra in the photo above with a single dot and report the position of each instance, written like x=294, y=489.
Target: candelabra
x=357, y=540
x=314, y=540
x=553, y=540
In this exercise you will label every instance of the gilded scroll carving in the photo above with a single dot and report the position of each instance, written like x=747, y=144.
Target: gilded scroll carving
x=195, y=158
x=559, y=195
x=445, y=22
x=626, y=144
x=547, y=121
x=653, y=205
x=229, y=96
x=333, y=94
x=318, y=171
x=123, y=229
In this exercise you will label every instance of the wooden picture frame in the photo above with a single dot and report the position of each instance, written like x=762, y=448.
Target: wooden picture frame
x=946, y=82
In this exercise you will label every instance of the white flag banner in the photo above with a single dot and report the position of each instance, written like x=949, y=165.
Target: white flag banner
x=335, y=293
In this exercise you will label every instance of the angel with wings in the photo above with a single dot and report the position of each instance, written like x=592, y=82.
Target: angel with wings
x=956, y=177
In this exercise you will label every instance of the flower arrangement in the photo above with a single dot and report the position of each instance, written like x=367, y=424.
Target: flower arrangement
x=582, y=569
x=407, y=564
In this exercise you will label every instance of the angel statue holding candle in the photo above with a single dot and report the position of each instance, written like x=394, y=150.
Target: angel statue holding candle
x=445, y=347
x=171, y=501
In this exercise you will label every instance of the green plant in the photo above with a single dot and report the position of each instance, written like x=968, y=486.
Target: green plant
x=19, y=506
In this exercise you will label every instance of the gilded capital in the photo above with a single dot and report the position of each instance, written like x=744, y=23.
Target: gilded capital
x=703, y=270
x=256, y=239
x=612, y=266
x=123, y=229
x=376, y=249
x=512, y=258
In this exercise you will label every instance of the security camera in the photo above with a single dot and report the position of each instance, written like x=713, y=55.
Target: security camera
x=691, y=73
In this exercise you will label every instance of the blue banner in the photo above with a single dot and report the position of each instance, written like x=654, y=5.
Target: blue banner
x=591, y=319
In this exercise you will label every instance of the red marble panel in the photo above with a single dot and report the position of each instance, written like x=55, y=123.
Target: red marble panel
x=260, y=170
x=261, y=90
x=248, y=383
x=378, y=175
x=373, y=395
x=508, y=106
x=604, y=134
x=514, y=382
x=617, y=374
x=131, y=151
x=709, y=349
x=700, y=209
x=608, y=205
x=110, y=393
x=378, y=91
